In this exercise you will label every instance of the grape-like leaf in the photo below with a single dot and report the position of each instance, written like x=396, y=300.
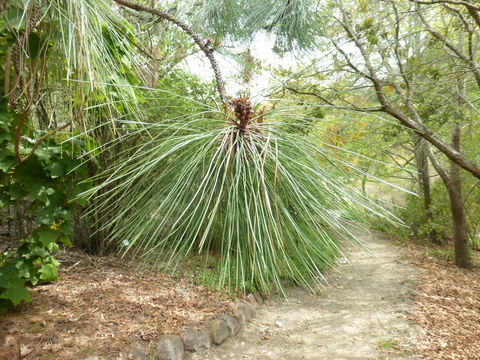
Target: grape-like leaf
x=16, y=292
x=48, y=272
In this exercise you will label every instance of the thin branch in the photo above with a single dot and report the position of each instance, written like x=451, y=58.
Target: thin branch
x=202, y=44
x=39, y=141
x=328, y=102
x=460, y=16
x=437, y=166
x=414, y=124
x=453, y=2
x=458, y=53
x=18, y=237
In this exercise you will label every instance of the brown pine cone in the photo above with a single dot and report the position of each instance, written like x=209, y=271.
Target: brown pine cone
x=243, y=110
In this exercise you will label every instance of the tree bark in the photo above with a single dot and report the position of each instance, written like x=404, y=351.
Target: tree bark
x=460, y=232
x=421, y=160
x=453, y=184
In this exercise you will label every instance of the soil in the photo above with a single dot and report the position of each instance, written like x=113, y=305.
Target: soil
x=102, y=306
x=362, y=314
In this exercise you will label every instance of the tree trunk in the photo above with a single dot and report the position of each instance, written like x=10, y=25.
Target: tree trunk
x=423, y=173
x=460, y=232
x=421, y=159
x=460, y=228
x=453, y=184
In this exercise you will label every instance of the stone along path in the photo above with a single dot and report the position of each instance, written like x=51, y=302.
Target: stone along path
x=360, y=315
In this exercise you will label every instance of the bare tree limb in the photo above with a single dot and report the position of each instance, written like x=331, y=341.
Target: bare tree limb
x=437, y=166
x=40, y=140
x=415, y=124
x=202, y=44
x=18, y=237
x=328, y=102
x=467, y=4
x=471, y=64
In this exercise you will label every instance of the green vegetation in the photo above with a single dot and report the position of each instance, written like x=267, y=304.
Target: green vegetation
x=387, y=344
x=40, y=182
x=265, y=199
x=108, y=140
x=443, y=254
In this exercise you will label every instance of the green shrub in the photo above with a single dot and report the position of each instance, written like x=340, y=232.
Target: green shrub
x=265, y=200
x=443, y=254
x=43, y=178
x=436, y=229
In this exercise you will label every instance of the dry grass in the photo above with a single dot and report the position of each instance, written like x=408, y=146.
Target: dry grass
x=101, y=306
x=447, y=307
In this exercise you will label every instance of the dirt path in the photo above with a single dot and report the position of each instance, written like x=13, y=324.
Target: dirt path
x=361, y=315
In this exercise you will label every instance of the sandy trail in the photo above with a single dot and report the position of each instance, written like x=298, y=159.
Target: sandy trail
x=361, y=315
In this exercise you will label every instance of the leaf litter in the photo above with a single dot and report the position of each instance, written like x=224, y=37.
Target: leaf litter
x=102, y=306
x=447, y=307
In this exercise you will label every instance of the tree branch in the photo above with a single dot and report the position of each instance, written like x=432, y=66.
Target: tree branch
x=18, y=237
x=203, y=45
x=437, y=166
x=415, y=124
x=328, y=102
x=471, y=64
x=467, y=4
x=39, y=141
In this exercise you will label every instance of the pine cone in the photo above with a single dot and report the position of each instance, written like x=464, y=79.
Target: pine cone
x=243, y=110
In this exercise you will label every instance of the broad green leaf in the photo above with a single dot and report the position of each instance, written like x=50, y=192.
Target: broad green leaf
x=16, y=292
x=66, y=228
x=34, y=44
x=46, y=216
x=65, y=240
x=36, y=191
x=7, y=160
x=57, y=169
x=16, y=191
x=48, y=272
x=46, y=235
x=23, y=269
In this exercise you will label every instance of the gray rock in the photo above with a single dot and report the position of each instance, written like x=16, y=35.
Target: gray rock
x=241, y=319
x=219, y=331
x=139, y=354
x=233, y=324
x=246, y=310
x=169, y=347
x=196, y=340
x=92, y=358
x=259, y=297
x=252, y=300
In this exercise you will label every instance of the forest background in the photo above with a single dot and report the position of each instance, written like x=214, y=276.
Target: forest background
x=109, y=143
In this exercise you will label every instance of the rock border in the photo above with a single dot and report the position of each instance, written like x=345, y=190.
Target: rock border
x=199, y=341
x=216, y=332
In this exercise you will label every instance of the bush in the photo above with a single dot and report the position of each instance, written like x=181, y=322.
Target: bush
x=267, y=201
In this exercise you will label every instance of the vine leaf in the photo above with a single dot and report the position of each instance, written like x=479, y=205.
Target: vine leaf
x=48, y=272
x=47, y=236
x=6, y=161
x=16, y=292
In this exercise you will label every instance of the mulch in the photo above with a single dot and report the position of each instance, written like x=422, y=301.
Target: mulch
x=102, y=306
x=447, y=307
